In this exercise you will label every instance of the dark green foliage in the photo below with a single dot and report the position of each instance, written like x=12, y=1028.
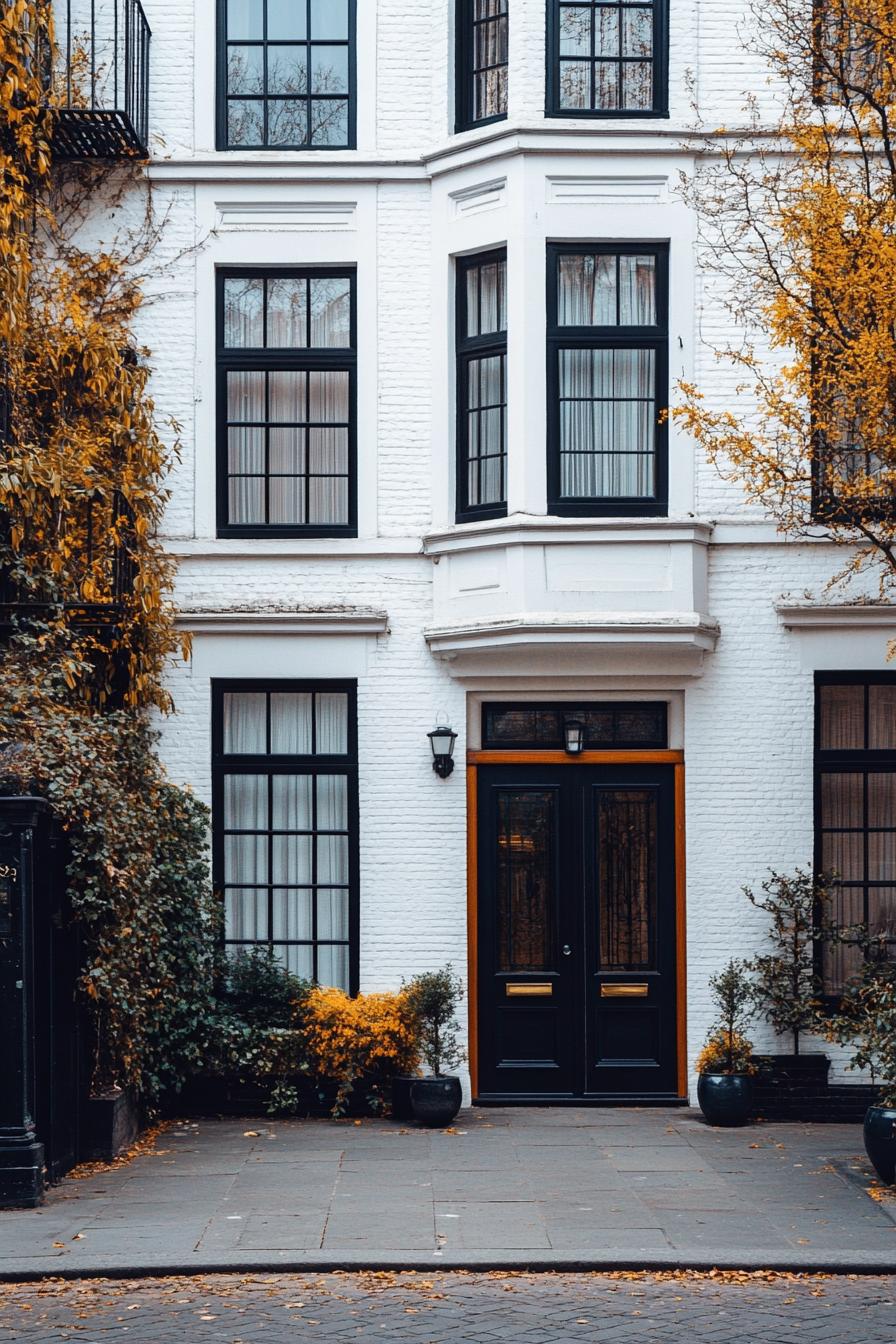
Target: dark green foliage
x=786, y=986
x=865, y=1018
x=258, y=989
x=433, y=998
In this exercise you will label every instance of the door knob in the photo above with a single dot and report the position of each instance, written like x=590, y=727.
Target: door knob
x=567, y=950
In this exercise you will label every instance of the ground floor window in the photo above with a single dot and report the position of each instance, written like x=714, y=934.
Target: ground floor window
x=285, y=822
x=855, y=807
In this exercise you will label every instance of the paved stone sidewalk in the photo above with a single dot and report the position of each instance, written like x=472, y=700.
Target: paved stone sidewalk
x=555, y=1188
x=445, y=1308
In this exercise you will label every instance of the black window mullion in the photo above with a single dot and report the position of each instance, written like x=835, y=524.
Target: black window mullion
x=270, y=788
x=314, y=873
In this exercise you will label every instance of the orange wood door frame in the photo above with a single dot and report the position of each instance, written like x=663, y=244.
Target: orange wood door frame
x=477, y=758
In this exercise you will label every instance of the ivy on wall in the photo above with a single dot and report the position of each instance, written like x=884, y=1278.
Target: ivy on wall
x=86, y=586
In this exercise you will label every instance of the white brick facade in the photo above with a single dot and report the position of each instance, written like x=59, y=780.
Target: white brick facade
x=400, y=207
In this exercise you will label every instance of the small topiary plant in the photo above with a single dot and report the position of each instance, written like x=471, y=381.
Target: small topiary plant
x=727, y=1048
x=433, y=998
x=866, y=1019
x=786, y=985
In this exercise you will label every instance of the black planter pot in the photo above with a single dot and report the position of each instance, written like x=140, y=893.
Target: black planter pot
x=725, y=1098
x=401, y=1096
x=879, y=1132
x=435, y=1101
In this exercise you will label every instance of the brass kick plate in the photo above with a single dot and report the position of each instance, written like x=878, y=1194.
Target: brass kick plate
x=623, y=991
x=533, y=989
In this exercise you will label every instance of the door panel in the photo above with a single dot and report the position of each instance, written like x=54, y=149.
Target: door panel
x=577, y=961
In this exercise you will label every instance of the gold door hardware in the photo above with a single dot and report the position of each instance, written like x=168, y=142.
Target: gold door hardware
x=623, y=991
x=537, y=990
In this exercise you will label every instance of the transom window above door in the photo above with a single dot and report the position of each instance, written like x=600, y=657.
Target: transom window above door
x=286, y=402
x=607, y=58
x=607, y=378
x=286, y=74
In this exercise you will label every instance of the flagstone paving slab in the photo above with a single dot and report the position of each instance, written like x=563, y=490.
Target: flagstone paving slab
x=516, y=1186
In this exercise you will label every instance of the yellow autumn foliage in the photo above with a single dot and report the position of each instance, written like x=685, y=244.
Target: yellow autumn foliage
x=82, y=463
x=370, y=1036
x=798, y=225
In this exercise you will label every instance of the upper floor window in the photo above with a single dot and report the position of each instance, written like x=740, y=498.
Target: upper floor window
x=286, y=402
x=607, y=58
x=607, y=378
x=286, y=74
x=481, y=73
x=855, y=809
x=482, y=386
x=285, y=823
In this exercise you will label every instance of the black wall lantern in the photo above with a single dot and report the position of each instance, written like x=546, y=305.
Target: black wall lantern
x=574, y=735
x=442, y=740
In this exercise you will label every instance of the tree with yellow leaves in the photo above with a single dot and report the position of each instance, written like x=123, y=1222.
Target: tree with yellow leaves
x=798, y=223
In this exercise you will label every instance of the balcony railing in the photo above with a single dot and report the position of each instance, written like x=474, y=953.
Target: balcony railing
x=101, y=80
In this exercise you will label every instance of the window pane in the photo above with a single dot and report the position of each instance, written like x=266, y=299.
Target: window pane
x=328, y=501
x=245, y=69
x=842, y=853
x=286, y=20
x=472, y=300
x=299, y=960
x=287, y=121
x=245, y=914
x=291, y=802
x=291, y=860
x=286, y=500
x=286, y=394
x=286, y=451
x=246, y=500
x=586, y=292
x=575, y=84
x=288, y=69
x=882, y=717
x=286, y=322
x=328, y=397
x=606, y=85
x=328, y=451
x=330, y=300
x=525, y=880
x=842, y=802
x=291, y=723
x=842, y=725
x=245, y=19
x=882, y=856
x=329, y=121
x=493, y=297
x=243, y=312
x=637, y=85
x=245, y=724
x=332, y=966
x=882, y=911
x=841, y=960
x=329, y=19
x=332, y=914
x=882, y=799
x=637, y=32
x=626, y=883
x=606, y=30
x=245, y=859
x=245, y=396
x=245, y=122
x=637, y=291
x=575, y=30
x=332, y=859
x=329, y=69
x=245, y=451
x=332, y=803
x=331, y=710
x=246, y=802
x=292, y=916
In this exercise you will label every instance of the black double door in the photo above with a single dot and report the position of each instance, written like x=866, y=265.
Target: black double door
x=577, y=956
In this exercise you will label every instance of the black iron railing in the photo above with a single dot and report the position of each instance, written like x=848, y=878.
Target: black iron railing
x=101, y=80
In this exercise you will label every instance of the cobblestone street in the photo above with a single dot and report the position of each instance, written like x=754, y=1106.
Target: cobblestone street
x=472, y=1308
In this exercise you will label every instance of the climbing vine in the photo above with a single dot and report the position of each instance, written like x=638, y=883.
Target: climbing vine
x=86, y=616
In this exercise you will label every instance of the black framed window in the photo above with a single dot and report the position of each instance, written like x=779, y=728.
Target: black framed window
x=285, y=823
x=482, y=386
x=481, y=69
x=286, y=74
x=607, y=378
x=286, y=402
x=855, y=808
x=607, y=58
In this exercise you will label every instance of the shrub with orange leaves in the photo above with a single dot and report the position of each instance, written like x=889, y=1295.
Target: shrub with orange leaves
x=371, y=1037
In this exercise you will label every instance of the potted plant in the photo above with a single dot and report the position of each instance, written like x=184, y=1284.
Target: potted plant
x=433, y=998
x=725, y=1084
x=866, y=1019
x=787, y=991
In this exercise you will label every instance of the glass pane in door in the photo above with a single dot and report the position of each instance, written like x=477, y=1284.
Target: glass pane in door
x=525, y=879
x=626, y=867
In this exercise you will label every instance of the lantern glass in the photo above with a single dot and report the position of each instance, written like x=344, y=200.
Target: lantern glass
x=442, y=740
x=574, y=733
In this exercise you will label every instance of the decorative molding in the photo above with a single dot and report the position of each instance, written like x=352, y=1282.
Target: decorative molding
x=234, y=621
x=483, y=196
x=605, y=190
x=852, y=616
x=304, y=216
x=531, y=529
x=689, y=630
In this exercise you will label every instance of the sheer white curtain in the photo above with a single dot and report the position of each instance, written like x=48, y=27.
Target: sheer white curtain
x=606, y=423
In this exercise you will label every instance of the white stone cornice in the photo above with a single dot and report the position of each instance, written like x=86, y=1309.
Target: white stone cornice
x=273, y=621
x=837, y=616
x=520, y=529
x=261, y=549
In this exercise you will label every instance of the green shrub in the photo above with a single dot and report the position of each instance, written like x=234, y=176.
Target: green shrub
x=433, y=998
